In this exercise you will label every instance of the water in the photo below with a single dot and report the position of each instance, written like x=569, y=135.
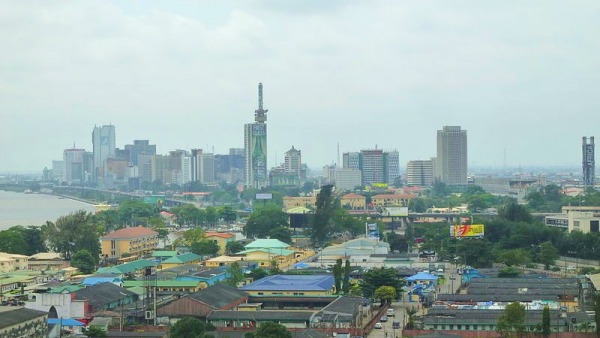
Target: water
x=35, y=209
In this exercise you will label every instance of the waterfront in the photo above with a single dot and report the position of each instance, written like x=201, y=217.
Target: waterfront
x=35, y=209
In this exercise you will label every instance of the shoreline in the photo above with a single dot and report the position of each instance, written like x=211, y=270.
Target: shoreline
x=71, y=198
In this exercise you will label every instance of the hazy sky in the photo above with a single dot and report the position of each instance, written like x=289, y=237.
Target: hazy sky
x=522, y=77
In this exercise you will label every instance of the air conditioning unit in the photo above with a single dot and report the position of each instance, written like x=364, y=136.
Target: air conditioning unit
x=149, y=315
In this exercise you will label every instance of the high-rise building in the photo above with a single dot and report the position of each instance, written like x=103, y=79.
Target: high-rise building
x=140, y=147
x=293, y=162
x=104, y=143
x=347, y=179
x=206, y=166
x=451, y=162
x=255, y=147
x=376, y=165
x=58, y=171
x=588, y=162
x=73, y=164
x=419, y=173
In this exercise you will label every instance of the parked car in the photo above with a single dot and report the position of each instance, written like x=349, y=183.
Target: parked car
x=378, y=325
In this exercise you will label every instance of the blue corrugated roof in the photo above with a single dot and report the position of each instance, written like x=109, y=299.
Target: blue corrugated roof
x=64, y=322
x=421, y=276
x=292, y=283
x=97, y=280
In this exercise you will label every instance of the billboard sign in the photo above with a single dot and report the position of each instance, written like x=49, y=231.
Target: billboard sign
x=395, y=211
x=155, y=199
x=259, y=151
x=372, y=231
x=472, y=230
x=264, y=196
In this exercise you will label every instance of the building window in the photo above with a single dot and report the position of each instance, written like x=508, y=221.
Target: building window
x=576, y=224
x=459, y=327
x=466, y=327
x=451, y=327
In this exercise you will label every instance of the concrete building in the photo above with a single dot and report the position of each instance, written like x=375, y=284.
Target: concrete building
x=576, y=218
x=375, y=165
x=420, y=173
x=13, y=262
x=354, y=202
x=588, y=161
x=24, y=323
x=221, y=239
x=58, y=171
x=255, y=147
x=302, y=201
x=451, y=161
x=347, y=179
x=392, y=200
x=104, y=146
x=293, y=162
x=351, y=160
x=73, y=166
x=139, y=147
x=137, y=241
x=206, y=168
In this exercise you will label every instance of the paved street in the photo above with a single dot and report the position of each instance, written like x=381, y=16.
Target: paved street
x=387, y=330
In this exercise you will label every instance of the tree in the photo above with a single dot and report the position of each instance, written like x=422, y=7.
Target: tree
x=346, y=278
x=188, y=214
x=375, y=278
x=13, y=241
x=233, y=247
x=385, y=294
x=83, y=261
x=281, y=233
x=236, y=275
x=321, y=221
x=272, y=330
x=546, y=321
x=548, y=254
x=72, y=233
x=337, y=275
x=190, y=237
x=227, y=214
x=94, y=331
x=257, y=274
x=205, y=247
x=513, y=257
x=263, y=220
x=512, y=320
x=597, y=313
x=189, y=328
x=509, y=272
x=514, y=212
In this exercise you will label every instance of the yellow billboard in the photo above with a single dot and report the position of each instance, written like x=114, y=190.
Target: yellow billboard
x=472, y=230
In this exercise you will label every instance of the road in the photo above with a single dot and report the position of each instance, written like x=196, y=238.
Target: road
x=387, y=330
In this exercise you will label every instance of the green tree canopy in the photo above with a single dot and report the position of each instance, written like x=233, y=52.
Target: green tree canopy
x=189, y=328
x=13, y=241
x=321, y=222
x=375, y=278
x=83, y=261
x=272, y=330
x=236, y=275
x=205, y=247
x=548, y=254
x=385, y=293
x=72, y=233
x=546, y=330
x=512, y=320
x=281, y=233
x=264, y=219
x=234, y=247
x=190, y=237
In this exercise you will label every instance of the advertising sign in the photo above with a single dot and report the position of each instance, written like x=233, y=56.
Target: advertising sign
x=472, y=230
x=155, y=199
x=395, y=211
x=264, y=196
x=259, y=151
x=372, y=231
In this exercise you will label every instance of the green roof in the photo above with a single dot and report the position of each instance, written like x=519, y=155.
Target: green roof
x=66, y=289
x=164, y=253
x=182, y=259
x=10, y=279
x=127, y=267
x=140, y=290
x=266, y=243
x=161, y=283
x=283, y=252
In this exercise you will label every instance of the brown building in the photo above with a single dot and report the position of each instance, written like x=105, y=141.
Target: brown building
x=135, y=241
x=391, y=200
x=353, y=202
x=203, y=303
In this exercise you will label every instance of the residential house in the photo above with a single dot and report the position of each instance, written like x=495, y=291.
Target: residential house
x=138, y=267
x=170, y=286
x=202, y=303
x=161, y=255
x=221, y=239
x=18, y=262
x=304, y=201
x=136, y=241
x=221, y=261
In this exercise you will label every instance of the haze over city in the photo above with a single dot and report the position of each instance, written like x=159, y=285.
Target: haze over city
x=519, y=77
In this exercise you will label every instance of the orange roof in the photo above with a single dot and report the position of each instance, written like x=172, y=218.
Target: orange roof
x=219, y=234
x=394, y=196
x=353, y=196
x=130, y=233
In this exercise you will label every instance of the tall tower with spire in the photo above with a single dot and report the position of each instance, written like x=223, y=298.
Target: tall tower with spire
x=255, y=146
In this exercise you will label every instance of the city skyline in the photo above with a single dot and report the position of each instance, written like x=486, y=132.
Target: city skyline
x=518, y=76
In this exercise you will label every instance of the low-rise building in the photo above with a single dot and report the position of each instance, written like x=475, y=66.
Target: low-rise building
x=24, y=323
x=291, y=286
x=354, y=202
x=222, y=261
x=21, y=262
x=221, y=239
x=576, y=218
x=303, y=201
x=186, y=258
x=202, y=303
x=391, y=200
x=47, y=261
x=136, y=241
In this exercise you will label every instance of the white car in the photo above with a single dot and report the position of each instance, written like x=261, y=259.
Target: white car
x=378, y=326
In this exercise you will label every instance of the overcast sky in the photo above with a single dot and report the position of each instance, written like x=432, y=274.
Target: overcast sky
x=522, y=77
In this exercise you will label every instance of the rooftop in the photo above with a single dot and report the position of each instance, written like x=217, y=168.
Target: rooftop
x=263, y=243
x=102, y=294
x=287, y=316
x=292, y=283
x=127, y=233
x=164, y=253
x=15, y=317
x=183, y=258
x=218, y=295
x=127, y=267
x=220, y=234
